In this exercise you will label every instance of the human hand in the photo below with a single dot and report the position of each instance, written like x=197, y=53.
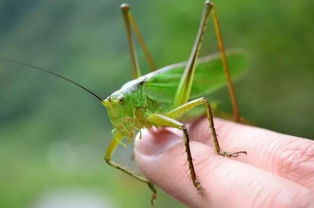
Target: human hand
x=277, y=172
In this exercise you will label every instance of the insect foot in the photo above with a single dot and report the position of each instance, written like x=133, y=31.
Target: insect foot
x=154, y=195
x=198, y=186
x=231, y=154
x=153, y=199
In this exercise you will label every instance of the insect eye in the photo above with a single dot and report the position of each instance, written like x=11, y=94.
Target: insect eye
x=121, y=100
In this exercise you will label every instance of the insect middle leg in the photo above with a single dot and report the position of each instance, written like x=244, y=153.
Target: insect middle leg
x=164, y=121
x=112, y=147
x=178, y=112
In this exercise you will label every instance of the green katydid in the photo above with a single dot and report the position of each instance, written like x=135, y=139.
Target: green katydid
x=162, y=97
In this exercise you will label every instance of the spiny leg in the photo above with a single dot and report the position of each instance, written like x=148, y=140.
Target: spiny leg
x=136, y=72
x=184, y=89
x=131, y=23
x=161, y=120
x=142, y=43
x=230, y=86
x=181, y=110
x=112, y=147
x=185, y=86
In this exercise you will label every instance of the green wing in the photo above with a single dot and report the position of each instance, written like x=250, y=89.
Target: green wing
x=209, y=76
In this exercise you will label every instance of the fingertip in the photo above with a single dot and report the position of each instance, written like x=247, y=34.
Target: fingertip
x=153, y=142
x=169, y=169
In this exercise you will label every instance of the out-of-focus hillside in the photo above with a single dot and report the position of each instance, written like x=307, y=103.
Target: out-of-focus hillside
x=53, y=135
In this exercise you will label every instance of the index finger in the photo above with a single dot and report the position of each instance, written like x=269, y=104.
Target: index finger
x=227, y=183
x=284, y=155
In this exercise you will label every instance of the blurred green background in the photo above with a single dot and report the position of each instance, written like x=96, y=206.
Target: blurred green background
x=53, y=135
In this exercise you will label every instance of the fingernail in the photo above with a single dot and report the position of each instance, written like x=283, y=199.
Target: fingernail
x=155, y=142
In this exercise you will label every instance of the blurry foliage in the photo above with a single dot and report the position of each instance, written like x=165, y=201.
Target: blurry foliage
x=53, y=135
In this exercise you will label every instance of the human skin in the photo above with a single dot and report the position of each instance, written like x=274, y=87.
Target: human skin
x=277, y=172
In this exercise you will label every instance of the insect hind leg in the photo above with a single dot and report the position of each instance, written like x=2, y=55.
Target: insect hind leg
x=185, y=86
x=178, y=112
x=233, y=98
x=131, y=25
x=184, y=89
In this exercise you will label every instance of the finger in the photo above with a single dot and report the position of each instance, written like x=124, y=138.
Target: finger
x=287, y=156
x=228, y=183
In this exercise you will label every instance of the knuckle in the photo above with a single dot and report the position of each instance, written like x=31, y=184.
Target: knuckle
x=303, y=199
x=287, y=199
x=296, y=161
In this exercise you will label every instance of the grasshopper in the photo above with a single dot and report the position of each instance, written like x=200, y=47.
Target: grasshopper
x=162, y=97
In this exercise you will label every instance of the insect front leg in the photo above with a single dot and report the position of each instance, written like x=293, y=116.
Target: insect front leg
x=178, y=112
x=112, y=147
x=161, y=120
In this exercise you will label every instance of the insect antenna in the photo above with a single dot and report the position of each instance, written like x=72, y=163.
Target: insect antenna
x=30, y=66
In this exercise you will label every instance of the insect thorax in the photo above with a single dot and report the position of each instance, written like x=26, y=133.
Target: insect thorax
x=128, y=109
